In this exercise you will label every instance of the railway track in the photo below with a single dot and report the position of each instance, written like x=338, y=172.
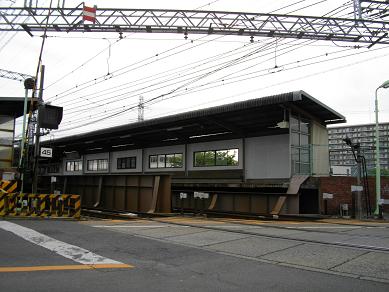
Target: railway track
x=196, y=220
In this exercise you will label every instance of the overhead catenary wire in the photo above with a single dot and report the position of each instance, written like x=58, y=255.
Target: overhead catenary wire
x=107, y=48
x=98, y=78
x=154, y=100
x=156, y=78
x=105, y=111
x=188, y=91
x=128, y=68
x=173, y=77
x=136, y=95
x=109, y=100
x=229, y=63
x=148, y=85
x=271, y=85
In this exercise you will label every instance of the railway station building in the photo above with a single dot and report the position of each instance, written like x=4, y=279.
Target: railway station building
x=259, y=156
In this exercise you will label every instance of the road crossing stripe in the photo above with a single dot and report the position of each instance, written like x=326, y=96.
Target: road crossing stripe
x=75, y=253
x=63, y=268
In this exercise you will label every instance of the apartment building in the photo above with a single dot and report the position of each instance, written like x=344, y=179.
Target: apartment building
x=341, y=154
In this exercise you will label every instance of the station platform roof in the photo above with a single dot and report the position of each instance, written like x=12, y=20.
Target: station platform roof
x=13, y=106
x=254, y=117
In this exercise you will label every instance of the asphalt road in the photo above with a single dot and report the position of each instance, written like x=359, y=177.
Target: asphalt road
x=186, y=255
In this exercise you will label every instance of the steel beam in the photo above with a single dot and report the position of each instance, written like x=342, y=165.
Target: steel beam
x=13, y=75
x=197, y=22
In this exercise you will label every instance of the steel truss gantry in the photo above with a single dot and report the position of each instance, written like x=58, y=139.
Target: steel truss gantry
x=13, y=75
x=60, y=19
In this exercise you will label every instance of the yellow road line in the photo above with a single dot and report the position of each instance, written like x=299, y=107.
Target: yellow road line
x=63, y=268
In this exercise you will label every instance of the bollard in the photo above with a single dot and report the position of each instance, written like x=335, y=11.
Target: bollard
x=3, y=203
x=77, y=206
x=60, y=206
x=33, y=205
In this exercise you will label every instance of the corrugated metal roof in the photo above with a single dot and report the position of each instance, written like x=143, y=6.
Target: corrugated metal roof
x=248, y=118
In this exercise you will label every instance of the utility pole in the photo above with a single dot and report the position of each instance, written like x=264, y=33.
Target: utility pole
x=141, y=108
x=358, y=212
x=356, y=193
x=38, y=134
x=29, y=84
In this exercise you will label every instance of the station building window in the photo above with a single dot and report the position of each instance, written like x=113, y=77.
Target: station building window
x=97, y=164
x=75, y=165
x=53, y=168
x=300, y=147
x=173, y=160
x=42, y=170
x=225, y=157
x=126, y=162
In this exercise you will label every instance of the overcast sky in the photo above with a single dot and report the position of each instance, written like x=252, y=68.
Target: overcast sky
x=199, y=72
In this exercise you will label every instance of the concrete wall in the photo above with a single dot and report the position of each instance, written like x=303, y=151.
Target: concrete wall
x=320, y=152
x=267, y=157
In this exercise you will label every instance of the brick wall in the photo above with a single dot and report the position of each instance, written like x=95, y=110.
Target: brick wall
x=340, y=187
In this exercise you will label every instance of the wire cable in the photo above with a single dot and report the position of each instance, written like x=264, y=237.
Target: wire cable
x=151, y=101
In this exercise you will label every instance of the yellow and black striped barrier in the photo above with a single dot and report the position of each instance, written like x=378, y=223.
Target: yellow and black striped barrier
x=9, y=186
x=40, y=205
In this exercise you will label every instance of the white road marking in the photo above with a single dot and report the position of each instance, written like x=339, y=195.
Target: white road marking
x=75, y=253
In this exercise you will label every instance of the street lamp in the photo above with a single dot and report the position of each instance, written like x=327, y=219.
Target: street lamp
x=377, y=147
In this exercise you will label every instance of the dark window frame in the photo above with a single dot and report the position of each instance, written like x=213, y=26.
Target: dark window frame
x=215, y=158
x=128, y=162
x=301, y=129
x=165, y=160
x=53, y=168
x=99, y=164
x=77, y=165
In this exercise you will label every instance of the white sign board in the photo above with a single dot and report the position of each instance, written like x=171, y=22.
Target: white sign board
x=356, y=188
x=46, y=152
x=205, y=195
x=200, y=195
x=328, y=196
x=183, y=195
